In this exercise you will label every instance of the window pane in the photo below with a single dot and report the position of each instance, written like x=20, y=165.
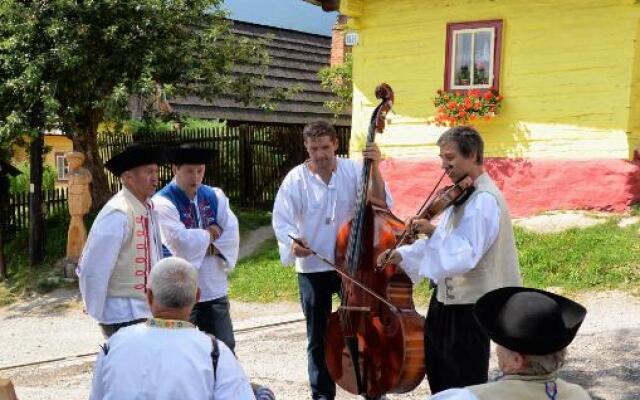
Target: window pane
x=462, y=76
x=482, y=58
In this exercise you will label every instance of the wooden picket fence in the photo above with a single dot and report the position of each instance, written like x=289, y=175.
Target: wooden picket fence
x=251, y=159
x=251, y=162
x=14, y=213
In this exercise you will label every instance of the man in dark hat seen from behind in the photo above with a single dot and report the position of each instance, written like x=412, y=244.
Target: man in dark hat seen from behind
x=532, y=329
x=198, y=225
x=123, y=243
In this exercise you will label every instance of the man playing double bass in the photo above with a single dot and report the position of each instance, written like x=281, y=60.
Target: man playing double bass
x=314, y=200
x=469, y=253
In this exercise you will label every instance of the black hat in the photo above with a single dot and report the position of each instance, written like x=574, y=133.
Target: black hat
x=190, y=154
x=529, y=321
x=135, y=155
x=8, y=169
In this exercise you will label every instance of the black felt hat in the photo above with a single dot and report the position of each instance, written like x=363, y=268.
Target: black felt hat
x=135, y=155
x=189, y=153
x=529, y=321
x=8, y=169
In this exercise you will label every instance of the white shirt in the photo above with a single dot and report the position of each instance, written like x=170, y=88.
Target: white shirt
x=306, y=207
x=454, y=394
x=192, y=244
x=454, y=251
x=154, y=363
x=96, y=265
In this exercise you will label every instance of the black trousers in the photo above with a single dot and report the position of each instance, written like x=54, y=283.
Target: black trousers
x=214, y=317
x=316, y=292
x=456, y=348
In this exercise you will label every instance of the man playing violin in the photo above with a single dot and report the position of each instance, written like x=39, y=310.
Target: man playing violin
x=470, y=252
x=315, y=199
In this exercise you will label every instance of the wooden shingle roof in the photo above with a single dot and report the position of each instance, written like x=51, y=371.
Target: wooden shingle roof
x=296, y=58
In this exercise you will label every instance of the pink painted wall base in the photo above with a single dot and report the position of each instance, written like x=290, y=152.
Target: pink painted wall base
x=530, y=186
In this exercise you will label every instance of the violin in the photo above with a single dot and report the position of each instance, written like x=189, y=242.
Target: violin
x=375, y=339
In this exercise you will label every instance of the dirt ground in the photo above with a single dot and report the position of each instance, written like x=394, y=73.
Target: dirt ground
x=604, y=358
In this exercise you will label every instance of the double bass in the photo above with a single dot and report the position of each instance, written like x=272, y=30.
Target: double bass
x=374, y=343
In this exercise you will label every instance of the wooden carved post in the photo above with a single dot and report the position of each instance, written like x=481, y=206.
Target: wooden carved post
x=79, y=205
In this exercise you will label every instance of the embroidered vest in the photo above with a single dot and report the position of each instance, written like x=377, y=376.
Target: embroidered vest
x=207, y=207
x=129, y=277
x=497, y=268
x=516, y=387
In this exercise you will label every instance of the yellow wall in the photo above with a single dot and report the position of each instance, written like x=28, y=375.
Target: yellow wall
x=53, y=143
x=566, y=74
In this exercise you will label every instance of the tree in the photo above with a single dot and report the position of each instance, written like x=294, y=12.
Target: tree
x=338, y=79
x=72, y=64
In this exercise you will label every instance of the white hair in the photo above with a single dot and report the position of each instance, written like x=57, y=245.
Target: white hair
x=174, y=282
x=545, y=364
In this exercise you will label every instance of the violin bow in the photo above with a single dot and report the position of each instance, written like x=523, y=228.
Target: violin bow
x=345, y=275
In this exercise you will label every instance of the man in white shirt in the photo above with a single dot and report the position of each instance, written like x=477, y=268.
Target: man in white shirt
x=123, y=244
x=167, y=357
x=197, y=224
x=532, y=329
x=470, y=252
x=314, y=200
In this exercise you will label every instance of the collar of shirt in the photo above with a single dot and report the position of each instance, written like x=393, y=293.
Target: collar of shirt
x=168, y=323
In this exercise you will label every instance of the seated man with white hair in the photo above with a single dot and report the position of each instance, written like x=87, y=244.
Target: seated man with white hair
x=532, y=329
x=167, y=357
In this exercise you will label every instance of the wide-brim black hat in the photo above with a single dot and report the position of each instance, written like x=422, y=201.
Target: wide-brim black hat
x=190, y=154
x=8, y=169
x=529, y=321
x=133, y=156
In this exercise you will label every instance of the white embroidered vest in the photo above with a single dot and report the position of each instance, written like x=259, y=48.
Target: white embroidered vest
x=497, y=268
x=528, y=388
x=134, y=262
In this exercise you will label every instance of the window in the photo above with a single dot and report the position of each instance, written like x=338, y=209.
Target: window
x=62, y=167
x=473, y=55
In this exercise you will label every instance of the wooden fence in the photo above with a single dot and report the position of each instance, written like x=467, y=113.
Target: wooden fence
x=251, y=160
x=14, y=213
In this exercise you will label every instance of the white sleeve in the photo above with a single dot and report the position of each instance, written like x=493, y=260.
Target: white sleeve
x=97, y=391
x=98, y=260
x=287, y=210
x=450, y=253
x=190, y=244
x=454, y=394
x=412, y=255
x=231, y=381
x=229, y=242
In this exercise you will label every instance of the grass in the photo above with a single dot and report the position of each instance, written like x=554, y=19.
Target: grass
x=24, y=281
x=596, y=258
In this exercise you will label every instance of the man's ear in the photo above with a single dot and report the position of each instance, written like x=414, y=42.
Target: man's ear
x=174, y=169
x=519, y=360
x=198, y=295
x=149, y=297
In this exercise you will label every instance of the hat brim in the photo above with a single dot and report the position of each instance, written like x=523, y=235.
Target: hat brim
x=191, y=155
x=8, y=169
x=135, y=156
x=487, y=310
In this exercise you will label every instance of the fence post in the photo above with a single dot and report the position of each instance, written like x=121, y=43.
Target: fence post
x=247, y=195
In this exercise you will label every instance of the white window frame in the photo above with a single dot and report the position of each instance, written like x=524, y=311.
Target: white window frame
x=454, y=40
x=62, y=175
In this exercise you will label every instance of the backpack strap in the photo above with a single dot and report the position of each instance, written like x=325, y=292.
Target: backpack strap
x=105, y=348
x=215, y=354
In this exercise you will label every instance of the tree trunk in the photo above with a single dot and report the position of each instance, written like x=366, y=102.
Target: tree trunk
x=4, y=220
x=87, y=142
x=36, y=220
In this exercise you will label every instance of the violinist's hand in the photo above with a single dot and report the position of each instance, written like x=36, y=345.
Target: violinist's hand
x=301, y=251
x=422, y=226
x=394, y=258
x=372, y=152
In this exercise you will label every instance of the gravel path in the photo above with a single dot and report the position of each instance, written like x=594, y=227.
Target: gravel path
x=605, y=356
